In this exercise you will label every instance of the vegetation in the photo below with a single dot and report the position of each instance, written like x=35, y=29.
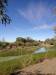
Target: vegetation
x=54, y=28
x=50, y=41
x=18, y=63
x=17, y=55
x=18, y=51
x=20, y=42
x=26, y=42
x=4, y=18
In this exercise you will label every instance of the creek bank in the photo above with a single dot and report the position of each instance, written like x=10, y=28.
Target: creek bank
x=47, y=67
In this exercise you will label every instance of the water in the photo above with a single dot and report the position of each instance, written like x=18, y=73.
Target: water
x=40, y=50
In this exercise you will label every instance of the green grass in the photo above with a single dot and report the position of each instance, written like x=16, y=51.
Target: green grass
x=10, y=66
x=52, y=48
x=18, y=51
x=7, y=67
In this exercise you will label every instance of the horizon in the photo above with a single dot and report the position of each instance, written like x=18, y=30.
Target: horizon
x=3, y=39
x=30, y=18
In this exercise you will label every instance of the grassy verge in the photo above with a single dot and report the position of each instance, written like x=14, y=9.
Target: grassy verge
x=10, y=66
x=18, y=51
x=7, y=67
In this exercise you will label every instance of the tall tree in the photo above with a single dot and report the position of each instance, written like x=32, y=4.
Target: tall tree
x=4, y=18
x=54, y=11
x=54, y=28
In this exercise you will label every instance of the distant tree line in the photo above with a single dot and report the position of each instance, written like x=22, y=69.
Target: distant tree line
x=26, y=42
x=20, y=41
x=50, y=41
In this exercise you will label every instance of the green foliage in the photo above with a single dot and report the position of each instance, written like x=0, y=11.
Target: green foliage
x=3, y=45
x=26, y=42
x=20, y=42
x=54, y=28
x=18, y=51
x=9, y=66
x=4, y=18
x=51, y=41
x=22, y=55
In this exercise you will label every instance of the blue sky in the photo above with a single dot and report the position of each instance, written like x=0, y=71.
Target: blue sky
x=30, y=18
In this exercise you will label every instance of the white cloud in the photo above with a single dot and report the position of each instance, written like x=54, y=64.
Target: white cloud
x=44, y=26
x=37, y=12
x=22, y=13
x=33, y=12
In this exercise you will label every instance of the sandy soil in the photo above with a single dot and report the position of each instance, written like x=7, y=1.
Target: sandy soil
x=48, y=66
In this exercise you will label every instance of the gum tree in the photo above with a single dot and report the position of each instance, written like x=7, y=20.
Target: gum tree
x=54, y=29
x=4, y=18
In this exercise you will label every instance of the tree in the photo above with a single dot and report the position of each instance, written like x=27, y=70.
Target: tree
x=4, y=18
x=54, y=11
x=54, y=28
x=3, y=45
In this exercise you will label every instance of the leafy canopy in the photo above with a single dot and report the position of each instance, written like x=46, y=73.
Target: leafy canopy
x=4, y=18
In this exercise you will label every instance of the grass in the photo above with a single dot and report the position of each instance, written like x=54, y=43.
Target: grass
x=18, y=51
x=7, y=67
x=10, y=66
x=51, y=52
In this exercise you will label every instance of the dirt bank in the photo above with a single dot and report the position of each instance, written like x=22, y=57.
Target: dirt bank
x=47, y=67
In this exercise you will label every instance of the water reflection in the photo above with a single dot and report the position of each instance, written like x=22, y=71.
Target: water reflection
x=40, y=50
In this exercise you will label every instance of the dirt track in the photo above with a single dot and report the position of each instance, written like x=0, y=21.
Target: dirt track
x=47, y=67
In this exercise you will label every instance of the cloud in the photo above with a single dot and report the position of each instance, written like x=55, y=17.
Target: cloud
x=27, y=14
x=22, y=13
x=36, y=13
x=33, y=11
x=44, y=26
